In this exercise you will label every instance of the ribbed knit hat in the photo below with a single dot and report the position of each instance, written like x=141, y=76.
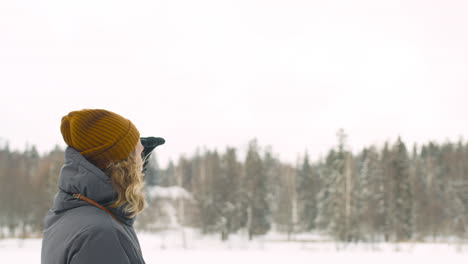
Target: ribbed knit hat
x=99, y=135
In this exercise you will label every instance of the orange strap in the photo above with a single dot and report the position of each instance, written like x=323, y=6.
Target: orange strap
x=84, y=198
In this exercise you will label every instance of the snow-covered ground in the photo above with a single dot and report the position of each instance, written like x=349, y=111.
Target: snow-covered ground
x=169, y=247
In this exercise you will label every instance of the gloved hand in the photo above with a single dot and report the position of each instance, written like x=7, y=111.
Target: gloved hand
x=149, y=144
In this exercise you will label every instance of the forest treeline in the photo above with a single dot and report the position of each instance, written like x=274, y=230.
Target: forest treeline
x=390, y=193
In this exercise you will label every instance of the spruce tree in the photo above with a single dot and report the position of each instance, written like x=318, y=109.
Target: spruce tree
x=307, y=188
x=332, y=199
x=227, y=193
x=402, y=192
x=368, y=197
x=258, y=212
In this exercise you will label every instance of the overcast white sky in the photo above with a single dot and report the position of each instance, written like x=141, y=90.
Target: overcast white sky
x=217, y=73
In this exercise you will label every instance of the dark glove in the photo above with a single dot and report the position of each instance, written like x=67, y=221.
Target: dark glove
x=149, y=144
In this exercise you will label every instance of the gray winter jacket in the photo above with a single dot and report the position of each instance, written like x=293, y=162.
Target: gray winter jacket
x=76, y=232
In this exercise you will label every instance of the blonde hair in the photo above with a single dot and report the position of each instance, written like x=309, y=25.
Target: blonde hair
x=127, y=178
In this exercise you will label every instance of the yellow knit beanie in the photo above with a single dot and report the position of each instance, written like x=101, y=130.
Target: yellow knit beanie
x=99, y=135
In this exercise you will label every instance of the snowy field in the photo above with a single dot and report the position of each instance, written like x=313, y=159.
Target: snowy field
x=170, y=248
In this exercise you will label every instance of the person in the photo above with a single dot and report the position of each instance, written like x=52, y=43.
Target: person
x=100, y=191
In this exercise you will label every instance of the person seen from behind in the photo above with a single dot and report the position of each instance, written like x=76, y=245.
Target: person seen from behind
x=100, y=191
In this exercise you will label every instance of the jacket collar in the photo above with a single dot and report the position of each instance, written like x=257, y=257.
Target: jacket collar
x=78, y=175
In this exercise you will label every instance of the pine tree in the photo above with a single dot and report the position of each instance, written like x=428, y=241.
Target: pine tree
x=420, y=196
x=274, y=173
x=207, y=196
x=388, y=186
x=227, y=194
x=307, y=188
x=402, y=192
x=333, y=202
x=258, y=213
x=368, y=196
x=286, y=214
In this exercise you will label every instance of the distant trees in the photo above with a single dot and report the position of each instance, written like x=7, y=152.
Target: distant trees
x=308, y=186
x=368, y=196
x=257, y=210
x=285, y=201
x=27, y=185
x=402, y=206
x=230, y=199
x=387, y=193
x=334, y=202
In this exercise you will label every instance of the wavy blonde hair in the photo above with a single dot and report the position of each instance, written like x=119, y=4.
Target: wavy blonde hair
x=127, y=178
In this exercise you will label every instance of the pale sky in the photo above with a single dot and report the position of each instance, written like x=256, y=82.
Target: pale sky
x=215, y=73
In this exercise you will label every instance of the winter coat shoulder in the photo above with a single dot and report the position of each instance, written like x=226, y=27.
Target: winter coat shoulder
x=76, y=232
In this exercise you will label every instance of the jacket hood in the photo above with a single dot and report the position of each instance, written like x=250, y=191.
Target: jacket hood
x=78, y=175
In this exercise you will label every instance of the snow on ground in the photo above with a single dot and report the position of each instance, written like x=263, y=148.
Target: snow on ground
x=173, y=192
x=169, y=247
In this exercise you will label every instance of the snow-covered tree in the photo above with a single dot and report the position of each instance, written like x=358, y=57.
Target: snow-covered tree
x=368, y=206
x=403, y=203
x=258, y=212
x=228, y=194
x=307, y=189
x=334, y=201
